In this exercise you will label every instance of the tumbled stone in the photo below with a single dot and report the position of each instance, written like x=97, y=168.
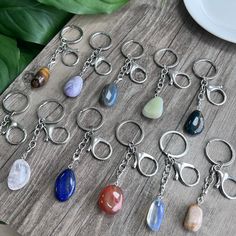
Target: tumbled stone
x=154, y=108
x=73, y=87
x=193, y=218
x=65, y=185
x=109, y=95
x=195, y=123
x=155, y=215
x=19, y=175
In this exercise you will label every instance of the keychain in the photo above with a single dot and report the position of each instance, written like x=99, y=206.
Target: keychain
x=74, y=85
x=109, y=93
x=20, y=172
x=154, y=107
x=111, y=197
x=195, y=122
x=66, y=182
x=9, y=124
x=156, y=210
x=42, y=76
x=193, y=218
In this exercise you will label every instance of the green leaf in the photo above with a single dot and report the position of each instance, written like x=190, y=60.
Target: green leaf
x=30, y=21
x=86, y=6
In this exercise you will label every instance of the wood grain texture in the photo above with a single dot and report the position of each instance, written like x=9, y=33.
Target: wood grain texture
x=156, y=24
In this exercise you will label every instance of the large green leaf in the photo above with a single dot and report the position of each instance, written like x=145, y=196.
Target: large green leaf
x=13, y=59
x=86, y=6
x=29, y=20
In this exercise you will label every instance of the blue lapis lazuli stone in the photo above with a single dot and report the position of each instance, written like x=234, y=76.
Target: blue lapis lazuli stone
x=195, y=123
x=65, y=185
x=109, y=95
x=155, y=215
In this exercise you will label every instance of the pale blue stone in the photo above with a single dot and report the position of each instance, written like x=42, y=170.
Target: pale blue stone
x=73, y=86
x=155, y=215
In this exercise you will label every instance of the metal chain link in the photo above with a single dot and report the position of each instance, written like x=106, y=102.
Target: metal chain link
x=62, y=47
x=81, y=147
x=169, y=161
x=90, y=61
x=124, y=70
x=124, y=163
x=33, y=142
x=201, y=93
x=4, y=123
x=207, y=183
x=161, y=81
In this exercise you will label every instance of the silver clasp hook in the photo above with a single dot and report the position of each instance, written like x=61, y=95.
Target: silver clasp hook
x=139, y=157
x=219, y=89
x=101, y=60
x=179, y=167
x=92, y=146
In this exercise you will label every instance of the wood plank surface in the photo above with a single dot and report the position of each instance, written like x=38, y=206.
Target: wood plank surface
x=156, y=24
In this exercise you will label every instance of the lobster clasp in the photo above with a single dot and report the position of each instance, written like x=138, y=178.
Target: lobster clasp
x=97, y=63
x=50, y=129
x=221, y=179
x=217, y=89
x=173, y=79
x=92, y=147
x=139, y=157
x=13, y=125
x=134, y=69
x=179, y=167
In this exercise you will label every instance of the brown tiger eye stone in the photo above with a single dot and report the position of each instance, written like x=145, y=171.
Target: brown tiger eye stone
x=41, y=78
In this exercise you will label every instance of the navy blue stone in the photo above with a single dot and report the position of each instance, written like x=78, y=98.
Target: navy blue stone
x=65, y=185
x=109, y=94
x=195, y=123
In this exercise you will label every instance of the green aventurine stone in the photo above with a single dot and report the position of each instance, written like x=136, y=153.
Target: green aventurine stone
x=154, y=108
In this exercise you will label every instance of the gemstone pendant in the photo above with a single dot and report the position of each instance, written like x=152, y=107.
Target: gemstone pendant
x=155, y=215
x=154, y=108
x=73, y=87
x=41, y=78
x=109, y=94
x=195, y=123
x=111, y=199
x=19, y=175
x=193, y=218
x=65, y=185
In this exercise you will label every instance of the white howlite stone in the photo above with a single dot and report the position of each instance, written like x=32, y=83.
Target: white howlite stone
x=19, y=175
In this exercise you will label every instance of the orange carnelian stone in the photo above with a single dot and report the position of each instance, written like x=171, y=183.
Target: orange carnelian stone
x=111, y=199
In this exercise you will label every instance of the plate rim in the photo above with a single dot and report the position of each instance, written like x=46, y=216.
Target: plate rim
x=207, y=25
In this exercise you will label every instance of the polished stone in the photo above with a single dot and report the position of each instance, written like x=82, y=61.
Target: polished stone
x=153, y=108
x=19, y=175
x=193, y=218
x=109, y=94
x=65, y=185
x=73, y=87
x=155, y=215
x=111, y=199
x=195, y=123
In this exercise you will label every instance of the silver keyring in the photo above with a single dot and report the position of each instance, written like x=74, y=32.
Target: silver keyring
x=232, y=158
x=92, y=39
x=129, y=122
x=66, y=29
x=90, y=128
x=129, y=55
x=73, y=52
x=206, y=61
x=46, y=102
x=170, y=154
x=174, y=64
x=19, y=111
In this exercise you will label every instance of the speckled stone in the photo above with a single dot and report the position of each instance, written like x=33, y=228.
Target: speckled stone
x=195, y=123
x=73, y=87
x=193, y=218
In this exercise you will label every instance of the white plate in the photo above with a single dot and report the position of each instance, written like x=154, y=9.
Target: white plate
x=216, y=16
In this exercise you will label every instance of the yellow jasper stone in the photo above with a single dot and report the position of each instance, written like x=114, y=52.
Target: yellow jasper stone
x=193, y=218
x=41, y=77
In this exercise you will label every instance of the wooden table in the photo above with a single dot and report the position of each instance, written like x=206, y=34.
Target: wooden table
x=34, y=211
